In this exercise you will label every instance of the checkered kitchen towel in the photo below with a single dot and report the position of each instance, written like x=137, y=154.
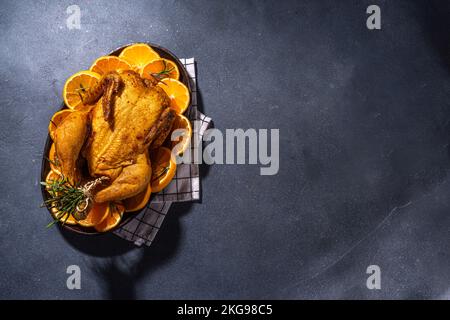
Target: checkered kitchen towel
x=184, y=187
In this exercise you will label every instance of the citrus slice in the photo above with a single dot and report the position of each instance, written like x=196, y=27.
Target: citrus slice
x=96, y=215
x=163, y=168
x=105, y=64
x=138, y=201
x=56, y=120
x=182, y=133
x=53, y=159
x=113, y=217
x=160, y=69
x=51, y=177
x=177, y=92
x=63, y=217
x=77, y=86
x=138, y=55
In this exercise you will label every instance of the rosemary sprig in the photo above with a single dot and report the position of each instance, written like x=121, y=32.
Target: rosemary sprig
x=64, y=197
x=163, y=73
x=80, y=90
x=113, y=208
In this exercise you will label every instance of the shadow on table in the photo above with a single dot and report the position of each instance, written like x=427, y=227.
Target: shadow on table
x=119, y=277
x=437, y=25
x=204, y=168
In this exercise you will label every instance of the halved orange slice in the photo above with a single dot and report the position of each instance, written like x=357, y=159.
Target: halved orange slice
x=159, y=69
x=138, y=201
x=177, y=92
x=105, y=64
x=77, y=86
x=182, y=132
x=163, y=168
x=138, y=55
x=95, y=216
x=56, y=120
x=52, y=176
x=113, y=217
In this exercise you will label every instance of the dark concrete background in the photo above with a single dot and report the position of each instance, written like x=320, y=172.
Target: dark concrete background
x=364, y=123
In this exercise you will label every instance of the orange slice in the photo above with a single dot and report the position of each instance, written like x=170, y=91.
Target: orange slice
x=138, y=55
x=182, y=131
x=77, y=86
x=105, y=64
x=63, y=217
x=54, y=164
x=57, y=119
x=177, y=92
x=163, y=168
x=98, y=213
x=52, y=176
x=138, y=201
x=160, y=69
x=113, y=217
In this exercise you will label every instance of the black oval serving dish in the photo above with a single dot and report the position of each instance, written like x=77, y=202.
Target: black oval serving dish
x=45, y=168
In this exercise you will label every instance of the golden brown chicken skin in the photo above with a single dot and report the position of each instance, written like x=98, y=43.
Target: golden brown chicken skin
x=69, y=139
x=128, y=115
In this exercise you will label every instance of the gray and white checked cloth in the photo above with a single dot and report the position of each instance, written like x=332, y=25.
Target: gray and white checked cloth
x=185, y=186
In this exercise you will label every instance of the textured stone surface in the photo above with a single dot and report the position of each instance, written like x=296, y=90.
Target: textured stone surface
x=364, y=139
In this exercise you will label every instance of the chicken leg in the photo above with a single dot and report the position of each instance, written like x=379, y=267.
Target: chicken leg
x=69, y=139
x=132, y=180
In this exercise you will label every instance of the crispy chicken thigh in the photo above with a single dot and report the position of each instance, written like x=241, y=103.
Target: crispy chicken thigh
x=70, y=136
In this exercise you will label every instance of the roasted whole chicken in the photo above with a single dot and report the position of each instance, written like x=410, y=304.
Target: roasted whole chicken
x=123, y=119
